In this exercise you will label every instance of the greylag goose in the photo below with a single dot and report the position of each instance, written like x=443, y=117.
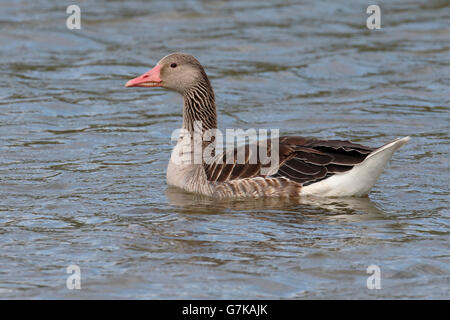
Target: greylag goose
x=304, y=166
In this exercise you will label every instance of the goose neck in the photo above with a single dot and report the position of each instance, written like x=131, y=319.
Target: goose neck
x=199, y=108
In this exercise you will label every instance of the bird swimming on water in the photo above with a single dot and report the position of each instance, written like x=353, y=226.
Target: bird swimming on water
x=305, y=166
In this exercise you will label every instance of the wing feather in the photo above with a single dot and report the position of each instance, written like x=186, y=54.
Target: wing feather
x=302, y=160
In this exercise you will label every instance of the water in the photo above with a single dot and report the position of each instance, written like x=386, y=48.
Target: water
x=83, y=159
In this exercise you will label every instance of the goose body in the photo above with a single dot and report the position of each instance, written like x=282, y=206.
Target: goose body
x=327, y=168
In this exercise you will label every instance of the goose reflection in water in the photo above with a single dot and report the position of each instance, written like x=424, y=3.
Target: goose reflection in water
x=349, y=209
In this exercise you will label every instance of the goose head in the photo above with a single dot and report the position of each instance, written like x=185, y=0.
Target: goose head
x=179, y=72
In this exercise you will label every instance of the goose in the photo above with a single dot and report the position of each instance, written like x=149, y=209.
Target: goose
x=304, y=166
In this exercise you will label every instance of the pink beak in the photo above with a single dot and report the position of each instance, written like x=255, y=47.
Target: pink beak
x=149, y=79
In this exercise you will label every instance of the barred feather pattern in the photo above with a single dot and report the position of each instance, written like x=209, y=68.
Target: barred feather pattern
x=256, y=187
x=200, y=105
x=302, y=161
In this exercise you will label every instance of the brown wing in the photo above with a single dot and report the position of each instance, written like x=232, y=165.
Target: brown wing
x=301, y=160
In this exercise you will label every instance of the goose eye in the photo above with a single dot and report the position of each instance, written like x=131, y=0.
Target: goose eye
x=173, y=65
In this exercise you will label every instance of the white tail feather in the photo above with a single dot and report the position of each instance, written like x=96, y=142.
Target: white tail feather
x=359, y=180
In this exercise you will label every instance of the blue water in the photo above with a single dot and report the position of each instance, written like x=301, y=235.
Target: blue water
x=83, y=160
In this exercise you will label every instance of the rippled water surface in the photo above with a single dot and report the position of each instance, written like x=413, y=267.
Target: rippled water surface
x=83, y=160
